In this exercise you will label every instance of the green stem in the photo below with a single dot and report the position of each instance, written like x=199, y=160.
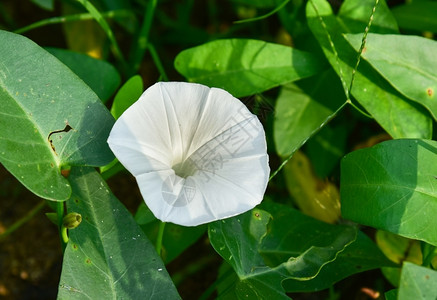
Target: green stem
x=141, y=42
x=23, y=220
x=363, y=44
x=70, y=18
x=359, y=110
x=60, y=212
x=278, y=8
x=157, y=62
x=64, y=234
x=105, y=26
x=159, y=237
x=329, y=118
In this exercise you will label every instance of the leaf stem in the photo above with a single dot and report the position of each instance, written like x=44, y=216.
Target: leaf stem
x=23, y=220
x=159, y=238
x=363, y=44
x=70, y=18
x=329, y=118
x=157, y=61
x=64, y=234
x=60, y=212
x=275, y=10
x=143, y=37
x=105, y=26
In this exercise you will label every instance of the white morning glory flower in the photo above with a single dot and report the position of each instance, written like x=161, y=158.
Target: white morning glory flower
x=197, y=153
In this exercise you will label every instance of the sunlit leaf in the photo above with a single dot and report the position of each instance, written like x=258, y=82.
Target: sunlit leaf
x=407, y=62
x=355, y=15
x=108, y=255
x=127, y=95
x=245, y=67
x=50, y=118
x=417, y=283
x=394, y=186
x=371, y=91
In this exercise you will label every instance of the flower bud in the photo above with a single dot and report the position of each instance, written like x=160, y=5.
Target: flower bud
x=72, y=220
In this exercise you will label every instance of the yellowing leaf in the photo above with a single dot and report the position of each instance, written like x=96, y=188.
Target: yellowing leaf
x=317, y=198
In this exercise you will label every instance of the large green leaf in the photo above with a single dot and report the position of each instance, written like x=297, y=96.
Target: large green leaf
x=245, y=67
x=302, y=109
x=392, y=186
x=49, y=118
x=355, y=15
x=417, y=15
x=99, y=75
x=108, y=256
x=288, y=238
x=399, y=116
x=417, y=283
x=407, y=62
x=240, y=240
x=382, y=101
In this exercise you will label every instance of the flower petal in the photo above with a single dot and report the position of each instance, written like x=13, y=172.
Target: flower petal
x=197, y=153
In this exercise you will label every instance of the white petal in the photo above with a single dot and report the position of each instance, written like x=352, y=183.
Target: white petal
x=204, y=134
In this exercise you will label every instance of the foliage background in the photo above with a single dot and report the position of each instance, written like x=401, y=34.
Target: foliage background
x=32, y=255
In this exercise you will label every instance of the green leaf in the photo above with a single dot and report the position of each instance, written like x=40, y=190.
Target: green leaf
x=417, y=283
x=327, y=147
x=239, y=241
x=355, y=15
x=392, y=186
x=288, y=238
x=50, y=118
x=108, y=256
x=127, y=95
x=407, y=62
x=245, y=67
x=417, y=15
x=399, y=116
x=301, y=109
x=99, y=75
x=176, y=238
x=236, y=240
x=369, y=88
x=391, y=295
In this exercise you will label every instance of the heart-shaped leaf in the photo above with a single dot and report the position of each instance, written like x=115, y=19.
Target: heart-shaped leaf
x=392, y=186
x=50, y=118
x=108, y=256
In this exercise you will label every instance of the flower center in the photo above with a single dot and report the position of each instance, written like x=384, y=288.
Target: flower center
x=185, y=169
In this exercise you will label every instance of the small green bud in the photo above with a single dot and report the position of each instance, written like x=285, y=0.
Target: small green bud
x=72, y=220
